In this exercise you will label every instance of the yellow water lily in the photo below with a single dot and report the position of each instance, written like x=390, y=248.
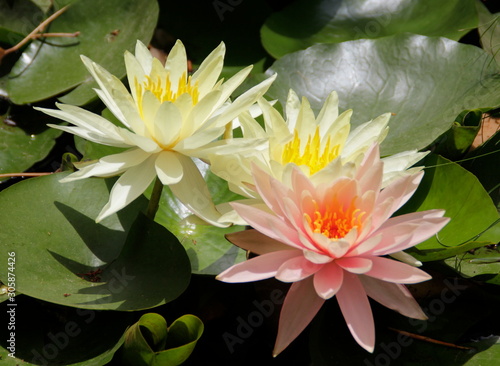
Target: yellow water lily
x=313, y=143
x=168, y=118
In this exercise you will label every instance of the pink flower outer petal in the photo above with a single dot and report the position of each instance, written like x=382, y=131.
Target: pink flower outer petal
x=328, y=280
x=393, y=271
x=401, y=190
x=357, y=312
x=393, y=296
x=297, y=269
x=407, y=234
x=258, y=268
x=299, y=308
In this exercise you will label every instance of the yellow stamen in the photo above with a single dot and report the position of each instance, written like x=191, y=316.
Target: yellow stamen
x=312, y=155
x=335, y=221
x=162, y=89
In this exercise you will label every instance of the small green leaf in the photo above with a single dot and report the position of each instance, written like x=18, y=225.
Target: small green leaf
x=457, y=140
x=149, y=342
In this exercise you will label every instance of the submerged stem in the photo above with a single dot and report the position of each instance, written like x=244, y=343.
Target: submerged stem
x=154, y=201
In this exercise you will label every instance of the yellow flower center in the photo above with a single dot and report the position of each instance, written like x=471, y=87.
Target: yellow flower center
x=335, y=221
x=313, y=155
x=162, y=89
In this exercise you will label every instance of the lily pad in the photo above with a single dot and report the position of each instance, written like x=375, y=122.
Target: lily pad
x=424, y=81
x=209, y=252
x=473, y=215
x=17, y=19
x=52, y=66
x=332, y=21
x=482, y=264
x=126, y=262
x=20, y=149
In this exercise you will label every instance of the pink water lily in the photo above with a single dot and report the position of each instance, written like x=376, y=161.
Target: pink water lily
x=329, y=239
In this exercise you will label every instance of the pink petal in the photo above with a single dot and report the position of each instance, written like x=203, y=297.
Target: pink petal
x=328, y=280
x=258, y=268
x=296, y=269
x=299, y=308
x=400, y=190
x=356, y=310
x=255, y=242
x=264, y=186
x=268, y=224
x=407, y=233
x=393, y=271
x=355, y=265
x=394, y=296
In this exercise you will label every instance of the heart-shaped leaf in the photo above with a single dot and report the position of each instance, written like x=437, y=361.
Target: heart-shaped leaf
x=426, y=82
x=149, y=342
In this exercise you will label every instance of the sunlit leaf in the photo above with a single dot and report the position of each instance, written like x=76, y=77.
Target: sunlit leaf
x=305, y=23
x=425, y=82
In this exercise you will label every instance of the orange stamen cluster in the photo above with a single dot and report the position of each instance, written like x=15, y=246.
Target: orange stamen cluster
x=335, y=221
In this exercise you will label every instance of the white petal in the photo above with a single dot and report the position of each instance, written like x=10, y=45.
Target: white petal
x=110, y=165
x=167, y=124
x=128, y=187
x=168, y=167
x=193, y=192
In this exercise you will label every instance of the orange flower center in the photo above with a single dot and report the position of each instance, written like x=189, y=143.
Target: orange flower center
x=312, y=155
x=335, y=221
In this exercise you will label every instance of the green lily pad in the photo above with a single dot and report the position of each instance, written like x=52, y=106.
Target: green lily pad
x=426, y=82
x=473, y=215
x=20, y=149
x=209, y=252
x=149, y=342
x=305, y=23
x=482, y=264
x=126, y=262
x=17, y=19
x=107, y=28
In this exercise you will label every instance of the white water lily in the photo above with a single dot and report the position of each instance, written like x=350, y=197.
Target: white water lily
x=168, y=118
